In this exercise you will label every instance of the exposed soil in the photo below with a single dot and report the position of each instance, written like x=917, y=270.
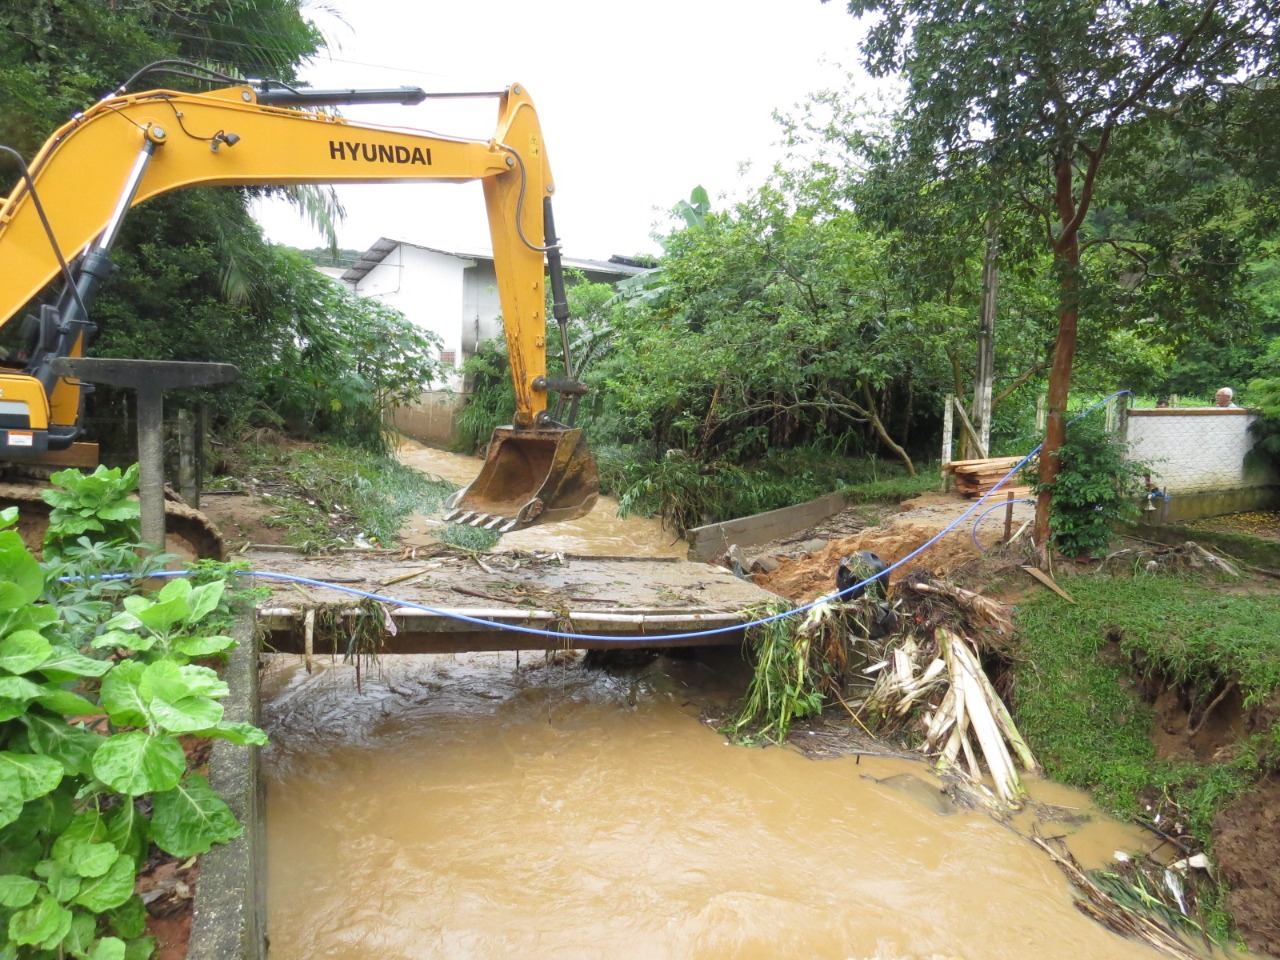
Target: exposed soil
x=1247, y=849
x=242, y=517
x=806, y=563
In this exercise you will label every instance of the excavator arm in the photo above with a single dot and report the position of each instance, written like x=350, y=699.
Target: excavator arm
x=64, y=215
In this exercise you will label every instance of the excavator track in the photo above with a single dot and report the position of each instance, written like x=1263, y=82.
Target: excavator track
x=188, y=532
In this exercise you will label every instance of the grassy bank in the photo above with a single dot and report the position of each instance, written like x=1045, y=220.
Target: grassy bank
x=328, y=496
x=1079, y=692
x=687, y=492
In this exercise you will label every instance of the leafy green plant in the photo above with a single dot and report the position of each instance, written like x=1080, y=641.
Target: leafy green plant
x=97, y=503
x=92, y=769
x=1095, y=488
x=786, y=682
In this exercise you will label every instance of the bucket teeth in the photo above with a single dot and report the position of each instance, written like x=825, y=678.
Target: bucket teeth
x=450, y=515
x=494, y=522
x=464, y=517
x=479, y=519
x=506, y=527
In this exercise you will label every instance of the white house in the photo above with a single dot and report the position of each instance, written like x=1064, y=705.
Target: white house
x=454, y=295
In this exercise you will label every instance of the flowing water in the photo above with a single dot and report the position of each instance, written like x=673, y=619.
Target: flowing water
x=600, y=533
x=485, y=805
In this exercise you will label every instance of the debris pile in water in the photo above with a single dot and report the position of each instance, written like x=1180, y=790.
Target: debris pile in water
x=907, y=664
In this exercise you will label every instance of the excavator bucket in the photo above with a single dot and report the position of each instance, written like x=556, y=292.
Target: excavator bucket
x=538, y=475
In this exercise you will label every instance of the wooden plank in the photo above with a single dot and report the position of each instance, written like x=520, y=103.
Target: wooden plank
x=1048, y=582
x=984, y=462
x=83, y=455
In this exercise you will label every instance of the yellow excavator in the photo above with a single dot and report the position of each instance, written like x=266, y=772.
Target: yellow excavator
x=62, y=217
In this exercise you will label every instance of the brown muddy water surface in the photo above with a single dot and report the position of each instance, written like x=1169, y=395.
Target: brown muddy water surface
x=485, y=805
x=469, y=807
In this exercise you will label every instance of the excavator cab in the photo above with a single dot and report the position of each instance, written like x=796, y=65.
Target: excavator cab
x=534, y=475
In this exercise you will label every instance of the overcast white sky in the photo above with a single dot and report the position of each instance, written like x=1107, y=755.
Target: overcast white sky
x=639, y=103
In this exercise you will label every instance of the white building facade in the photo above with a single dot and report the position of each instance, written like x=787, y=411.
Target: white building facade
x=455, y=296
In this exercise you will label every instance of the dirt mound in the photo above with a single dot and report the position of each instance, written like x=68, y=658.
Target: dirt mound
x=806, y=577
x=1247, y=848
x=813, y=574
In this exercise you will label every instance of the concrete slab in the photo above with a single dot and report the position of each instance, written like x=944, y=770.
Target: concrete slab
x=619, y=601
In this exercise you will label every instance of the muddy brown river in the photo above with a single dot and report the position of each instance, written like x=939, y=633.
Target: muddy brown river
x=485, y=805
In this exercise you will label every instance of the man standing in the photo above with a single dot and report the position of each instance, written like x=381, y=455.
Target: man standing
x=1223, y=398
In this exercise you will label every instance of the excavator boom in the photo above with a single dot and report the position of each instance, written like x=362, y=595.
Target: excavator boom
x=63, y=216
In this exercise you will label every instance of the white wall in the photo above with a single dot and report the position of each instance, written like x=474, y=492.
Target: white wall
x=1192, y=450
x=482, y=306
x=429, y=289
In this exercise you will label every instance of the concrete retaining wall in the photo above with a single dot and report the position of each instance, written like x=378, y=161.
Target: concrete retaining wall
x=430, y=418
x=709, y=542
x=230, y=920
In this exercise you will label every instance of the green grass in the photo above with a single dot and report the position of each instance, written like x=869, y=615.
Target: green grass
x=330, y=495
x=1081, y=710
x=687, y=492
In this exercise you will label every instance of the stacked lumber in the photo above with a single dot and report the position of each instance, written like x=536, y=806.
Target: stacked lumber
x=973, y=478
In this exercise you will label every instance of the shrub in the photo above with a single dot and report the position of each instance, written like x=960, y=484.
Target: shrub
x=1095, y=488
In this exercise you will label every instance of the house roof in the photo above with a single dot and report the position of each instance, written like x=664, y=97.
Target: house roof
x=617, y=267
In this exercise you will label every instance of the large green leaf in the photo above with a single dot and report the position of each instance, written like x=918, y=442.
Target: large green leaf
x=129, y=639
x=126, y=829
x=72, y=746
x=191, y=818
x=88, y=826
x=21, y=579
x=166, y=679
x=111, y=889
x=203, y=600
x=241, y=734
x=17, y=891
x=121, y=698
x=18, y=688
x=67, y=664
x=43, y=924
x=186, y=715
x=79, y=939
x=23, y=650
x=109, y=948
x=130, y=918
x=65, y=702
x=63, y=882
x=39, y=819
x=94, y=859
x=169, y=607
x=202, y=646
x=135, y=763
x=28, y=775
x=201, y=681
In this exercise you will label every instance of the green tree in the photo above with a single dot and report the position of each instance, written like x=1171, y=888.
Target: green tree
x=1039, y=94
x=777, y=323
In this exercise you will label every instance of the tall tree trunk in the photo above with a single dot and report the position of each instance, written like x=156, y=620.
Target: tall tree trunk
x=980, y=412
x=1066, y=256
